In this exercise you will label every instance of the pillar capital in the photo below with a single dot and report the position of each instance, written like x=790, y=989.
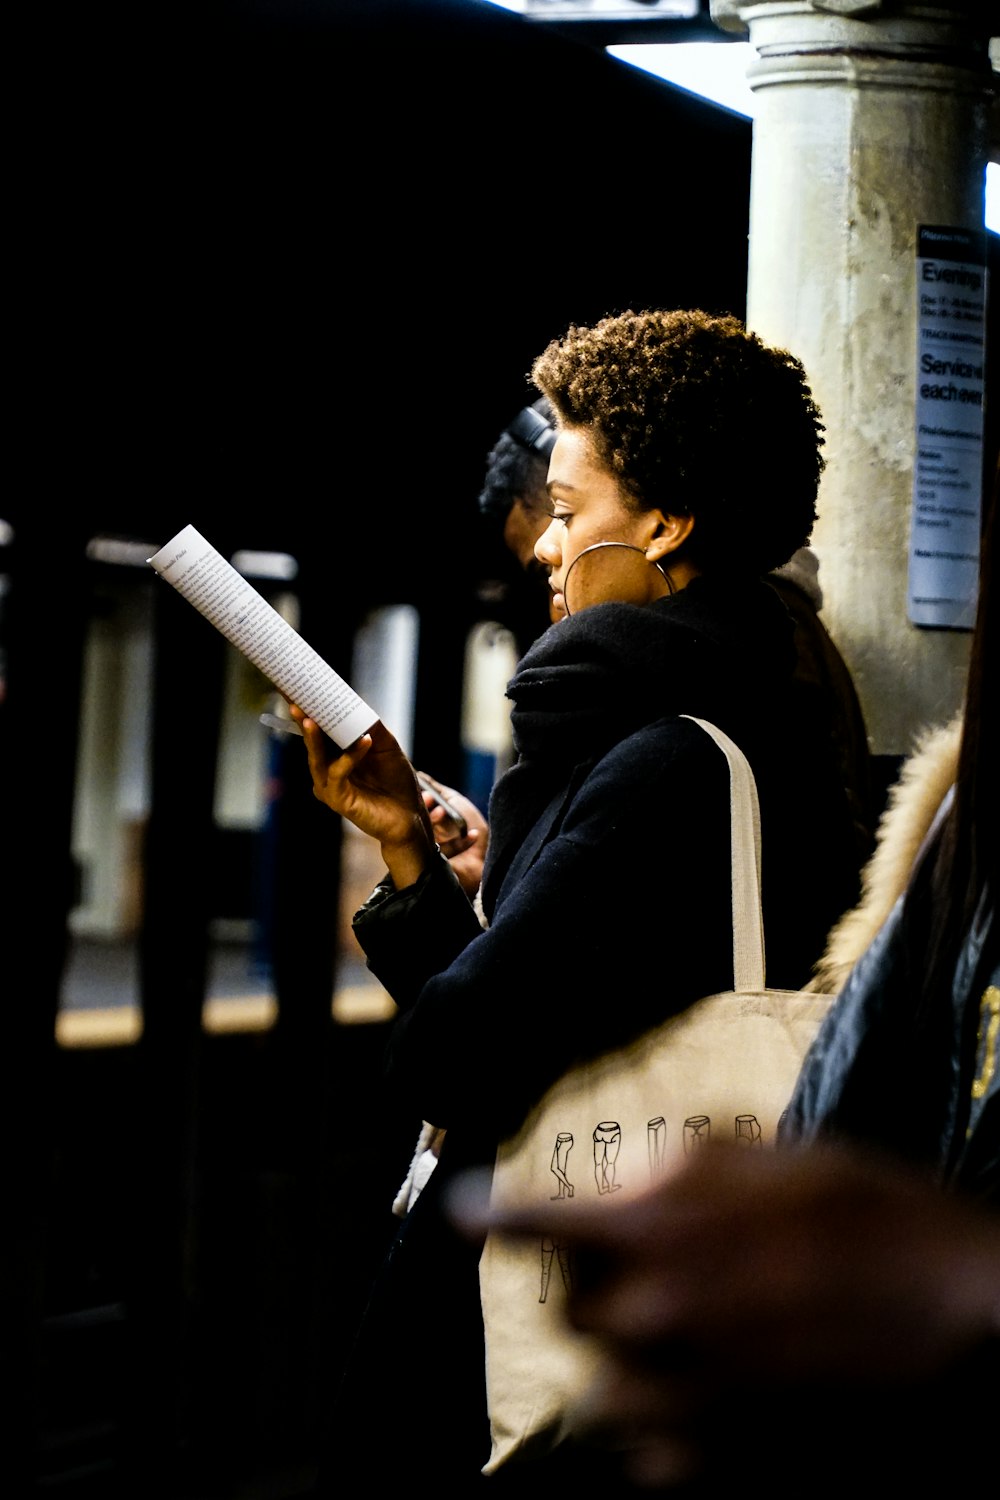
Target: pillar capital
x=870, y=123
x=860, y=41
x=861, y=24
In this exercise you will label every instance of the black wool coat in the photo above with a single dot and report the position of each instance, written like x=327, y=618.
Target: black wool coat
x=607, y=885
x=607, y=893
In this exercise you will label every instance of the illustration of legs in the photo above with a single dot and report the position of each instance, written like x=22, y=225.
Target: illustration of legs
x=748, y=1130
x=549, y=1249
x=560, y=1155
x=607, y=1144
x=697, y=1129
x=656, y=1134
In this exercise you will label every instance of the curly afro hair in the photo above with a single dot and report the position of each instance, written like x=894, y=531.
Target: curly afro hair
x=699, y=417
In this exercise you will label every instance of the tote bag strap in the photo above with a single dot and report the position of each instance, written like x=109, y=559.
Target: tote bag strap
x=748, y=921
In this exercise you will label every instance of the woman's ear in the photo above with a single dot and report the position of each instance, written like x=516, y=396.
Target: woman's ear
x=669, y=535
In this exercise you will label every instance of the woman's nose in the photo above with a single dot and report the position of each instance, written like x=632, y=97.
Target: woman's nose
x=547, y=548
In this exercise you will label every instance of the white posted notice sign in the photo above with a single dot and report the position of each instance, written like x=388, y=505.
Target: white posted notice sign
x=948, y=473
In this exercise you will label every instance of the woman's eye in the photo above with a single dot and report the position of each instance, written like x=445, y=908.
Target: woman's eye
x=565, y=516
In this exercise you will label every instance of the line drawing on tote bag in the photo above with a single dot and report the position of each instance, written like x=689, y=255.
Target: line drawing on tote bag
x=558, y=1165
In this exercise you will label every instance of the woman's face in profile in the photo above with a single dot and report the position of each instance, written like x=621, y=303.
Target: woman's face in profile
x=587, y=507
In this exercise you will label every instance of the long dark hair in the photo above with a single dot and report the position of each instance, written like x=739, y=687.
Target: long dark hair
x=967, y=856
x=957, y=870
x=898, y=1088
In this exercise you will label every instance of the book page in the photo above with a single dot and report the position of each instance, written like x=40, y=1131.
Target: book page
x=221, y=593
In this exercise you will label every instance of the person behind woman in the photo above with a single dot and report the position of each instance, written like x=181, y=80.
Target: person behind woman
x=514, y=501
x=686, y=466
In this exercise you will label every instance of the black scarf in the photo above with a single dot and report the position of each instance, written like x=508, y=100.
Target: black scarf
x=597, y=677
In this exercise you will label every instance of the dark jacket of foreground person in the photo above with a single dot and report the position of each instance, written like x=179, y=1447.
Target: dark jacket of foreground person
x=918, y=1079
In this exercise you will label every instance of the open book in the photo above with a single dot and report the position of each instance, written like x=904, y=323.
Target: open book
x=245, y=618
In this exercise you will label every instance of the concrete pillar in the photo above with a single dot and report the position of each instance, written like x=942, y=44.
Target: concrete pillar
x=871, y=119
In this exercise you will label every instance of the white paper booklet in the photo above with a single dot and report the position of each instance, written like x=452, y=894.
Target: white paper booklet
x=221, y=593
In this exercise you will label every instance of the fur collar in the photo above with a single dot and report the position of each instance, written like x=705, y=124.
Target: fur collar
x=913, y=801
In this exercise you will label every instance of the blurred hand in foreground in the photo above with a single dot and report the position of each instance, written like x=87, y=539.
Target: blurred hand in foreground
x=783, y=1316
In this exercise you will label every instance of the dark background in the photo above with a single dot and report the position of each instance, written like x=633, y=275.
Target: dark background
x=280, y=271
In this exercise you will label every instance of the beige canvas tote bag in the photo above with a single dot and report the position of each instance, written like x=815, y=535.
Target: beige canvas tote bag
x=724, y=1067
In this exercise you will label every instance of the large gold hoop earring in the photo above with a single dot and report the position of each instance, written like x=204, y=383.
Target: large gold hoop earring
x=629, y=547
x=671, y=589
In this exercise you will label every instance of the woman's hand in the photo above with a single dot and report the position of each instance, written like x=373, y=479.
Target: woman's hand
x=466, y=852
x=373, y=786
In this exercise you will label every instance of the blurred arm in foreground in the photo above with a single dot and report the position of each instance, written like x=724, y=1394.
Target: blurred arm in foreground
x=796, y=1317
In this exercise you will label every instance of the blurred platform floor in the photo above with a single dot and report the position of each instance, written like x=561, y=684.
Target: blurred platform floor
x=291, y=1213
x=101, y=983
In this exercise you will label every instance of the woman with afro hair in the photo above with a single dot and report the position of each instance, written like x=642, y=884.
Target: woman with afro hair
x=685, y=468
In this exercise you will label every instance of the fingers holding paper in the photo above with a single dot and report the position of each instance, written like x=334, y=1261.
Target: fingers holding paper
x=373, y=785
